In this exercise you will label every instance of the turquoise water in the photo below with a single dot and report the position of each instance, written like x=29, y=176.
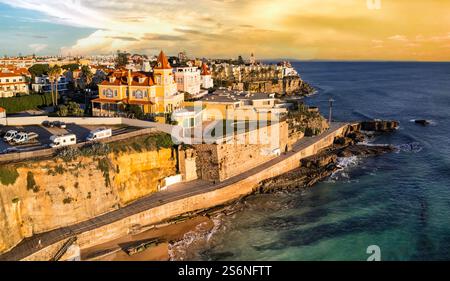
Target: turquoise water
x=399, y=202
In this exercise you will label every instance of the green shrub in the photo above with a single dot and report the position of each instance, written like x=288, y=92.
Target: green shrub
x=27, y=102
x=68, y=200
x=8, y=175
x=31, y=183
x=104, y=166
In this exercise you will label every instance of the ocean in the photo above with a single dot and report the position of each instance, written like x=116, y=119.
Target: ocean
x=398, y=202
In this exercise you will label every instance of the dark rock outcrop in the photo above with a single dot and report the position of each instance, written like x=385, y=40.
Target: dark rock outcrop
x=422, y=122
x=381, y=126
x=317, y=167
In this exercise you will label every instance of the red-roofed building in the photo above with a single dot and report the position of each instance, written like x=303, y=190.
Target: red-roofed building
x=207, y=81
x=2, y=112
x=13, y=82
x=155, y=92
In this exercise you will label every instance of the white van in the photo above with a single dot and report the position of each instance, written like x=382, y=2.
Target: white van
x=9, y=136
x=62, y=140
x=99, y=134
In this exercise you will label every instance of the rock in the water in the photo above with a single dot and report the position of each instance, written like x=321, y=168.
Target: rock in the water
x=379, y=126
x=422, y=122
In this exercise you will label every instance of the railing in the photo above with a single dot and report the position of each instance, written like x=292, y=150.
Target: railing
x=64, y=249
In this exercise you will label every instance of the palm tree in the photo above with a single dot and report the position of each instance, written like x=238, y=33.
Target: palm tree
x=53, y=75
x=86, y=75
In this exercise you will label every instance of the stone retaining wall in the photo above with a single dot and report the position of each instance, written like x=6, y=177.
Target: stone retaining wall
x=216, y=197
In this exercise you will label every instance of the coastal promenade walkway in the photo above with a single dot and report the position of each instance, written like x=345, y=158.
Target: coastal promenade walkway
x=28, y=246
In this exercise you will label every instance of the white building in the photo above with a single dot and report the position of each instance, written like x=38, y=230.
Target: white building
x=207, y=81
x=12, y=83
x=188, y=80
x=42, y=84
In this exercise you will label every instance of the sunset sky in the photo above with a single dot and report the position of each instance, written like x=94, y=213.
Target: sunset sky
x=295, y=29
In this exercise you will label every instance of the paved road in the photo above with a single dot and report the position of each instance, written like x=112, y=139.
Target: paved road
x=183, y=190
x=81, y=131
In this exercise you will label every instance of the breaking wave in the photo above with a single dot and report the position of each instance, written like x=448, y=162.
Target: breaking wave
x=186, y=248
x=344, y=164
x=413, y=147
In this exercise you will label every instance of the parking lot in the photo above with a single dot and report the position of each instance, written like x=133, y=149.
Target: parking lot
x=43, y=141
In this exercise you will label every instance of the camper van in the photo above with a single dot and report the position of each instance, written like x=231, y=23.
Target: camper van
x=62, y=140
x=99, y=134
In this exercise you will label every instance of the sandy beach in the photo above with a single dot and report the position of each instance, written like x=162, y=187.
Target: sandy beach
x=115, y=250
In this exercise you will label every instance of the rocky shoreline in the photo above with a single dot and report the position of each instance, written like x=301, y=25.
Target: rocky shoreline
x=322, y=165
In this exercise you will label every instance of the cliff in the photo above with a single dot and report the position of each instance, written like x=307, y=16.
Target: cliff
x=38, y=196
x=292, y=85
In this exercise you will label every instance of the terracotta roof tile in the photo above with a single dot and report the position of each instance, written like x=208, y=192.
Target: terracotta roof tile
x=163, y=62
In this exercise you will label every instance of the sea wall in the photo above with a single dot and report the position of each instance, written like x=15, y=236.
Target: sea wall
x=38, y=196
x=227, y=191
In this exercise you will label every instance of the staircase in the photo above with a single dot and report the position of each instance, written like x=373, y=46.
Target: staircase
x=64, y=248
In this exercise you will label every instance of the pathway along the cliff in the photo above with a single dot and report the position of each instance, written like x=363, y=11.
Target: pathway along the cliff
x=37, y=242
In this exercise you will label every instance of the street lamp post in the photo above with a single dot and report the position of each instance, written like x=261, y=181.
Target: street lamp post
x=331, y=110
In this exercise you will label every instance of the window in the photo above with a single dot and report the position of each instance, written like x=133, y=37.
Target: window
x=138, y=94
x=109, y=93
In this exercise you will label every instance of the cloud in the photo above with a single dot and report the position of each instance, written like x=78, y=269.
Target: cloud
x=400, y=38
x=124, y=38
x=326, y=29
x=38, y=47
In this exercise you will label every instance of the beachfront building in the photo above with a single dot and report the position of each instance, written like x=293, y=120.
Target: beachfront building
x=42, y=84
x=154, y=92
x=188, y=80
x=13, y=82
x=232, y=105
x=207, y=81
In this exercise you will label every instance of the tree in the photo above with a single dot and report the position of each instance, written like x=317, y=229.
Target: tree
x=240, y=60
x=71, y=109
x=87, y=76
x=134, y=111
x=122, y=59
x=71, y=66
x=39, y=70
x=53, y=75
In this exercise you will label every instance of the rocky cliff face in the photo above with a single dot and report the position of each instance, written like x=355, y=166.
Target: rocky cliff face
x=43, y=195
x=286, y=86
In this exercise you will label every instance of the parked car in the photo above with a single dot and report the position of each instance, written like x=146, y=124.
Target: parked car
x=62, y=125
x=99, y=134
x=59, y=124
x=48, y=124
x=10, y=135
x=24, y=137
x=62, y=140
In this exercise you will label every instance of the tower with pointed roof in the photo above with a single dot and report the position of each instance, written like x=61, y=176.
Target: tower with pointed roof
x=167, y=96
x=207, y=81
